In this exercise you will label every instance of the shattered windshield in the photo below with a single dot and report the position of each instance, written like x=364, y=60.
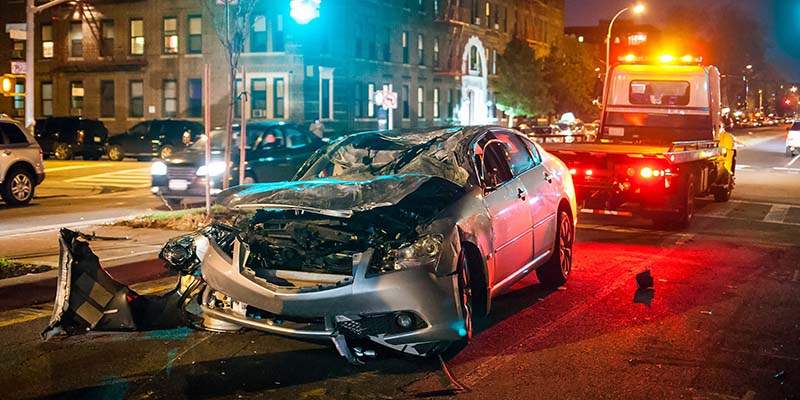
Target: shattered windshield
x=367, y=156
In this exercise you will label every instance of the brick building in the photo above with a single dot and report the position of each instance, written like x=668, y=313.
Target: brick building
x=125, y=61
x=627, y=37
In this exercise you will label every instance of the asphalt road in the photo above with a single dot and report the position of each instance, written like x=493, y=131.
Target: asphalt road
x=75, y=192
x=722, y=323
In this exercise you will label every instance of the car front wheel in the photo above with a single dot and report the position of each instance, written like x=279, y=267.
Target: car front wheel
x=555, y=271
x=18, y=188
x=62, y=152
x=115, y=153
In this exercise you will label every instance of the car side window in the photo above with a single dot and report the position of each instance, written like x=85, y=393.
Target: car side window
x=294, y=138
x=270, y=139
x=491, y=159
x=157, y=129
x=139, y=129
x=537, y=158
x=517, y=154
x=13, y=134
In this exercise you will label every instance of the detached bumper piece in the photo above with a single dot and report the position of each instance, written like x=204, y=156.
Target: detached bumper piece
x=89, y=299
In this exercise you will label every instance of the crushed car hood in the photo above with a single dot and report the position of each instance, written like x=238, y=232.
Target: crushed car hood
x=334, y=195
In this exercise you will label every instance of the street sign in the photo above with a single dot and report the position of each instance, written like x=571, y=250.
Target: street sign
x=19, y=67
x=390, y=100
x=16, y=34
x=222, y=2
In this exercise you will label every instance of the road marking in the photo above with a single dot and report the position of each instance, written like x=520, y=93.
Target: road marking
x=131, y=178
x=777, y=213
x=786, y=169
x=793, y=160
x=48, y=170
x=718, y=209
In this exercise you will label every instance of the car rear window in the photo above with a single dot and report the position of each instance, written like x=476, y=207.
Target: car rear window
x=13, y=133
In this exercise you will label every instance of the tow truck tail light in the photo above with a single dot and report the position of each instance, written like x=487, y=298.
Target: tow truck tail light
x=572, y=171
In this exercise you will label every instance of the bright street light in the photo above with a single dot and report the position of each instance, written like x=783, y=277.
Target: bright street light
x=793, y=89
x=303, y=11
x=637, y=9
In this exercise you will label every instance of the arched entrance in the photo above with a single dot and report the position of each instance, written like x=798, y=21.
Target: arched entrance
x=474, y=84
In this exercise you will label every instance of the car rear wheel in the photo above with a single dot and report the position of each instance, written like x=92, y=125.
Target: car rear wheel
x=556, y=270
x=165, y=151
x=683, y=217
x=62, y=152
x=115, y=153
x=18, y=187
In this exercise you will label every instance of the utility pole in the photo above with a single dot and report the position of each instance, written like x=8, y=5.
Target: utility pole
x=30, y=29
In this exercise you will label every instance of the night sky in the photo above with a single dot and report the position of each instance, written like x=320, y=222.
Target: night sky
x=780, y=20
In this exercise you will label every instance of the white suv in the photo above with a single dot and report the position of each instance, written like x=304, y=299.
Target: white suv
x=793, y=140
x=21, y=166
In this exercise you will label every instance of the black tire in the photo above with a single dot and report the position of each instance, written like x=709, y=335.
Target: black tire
x=116, y=153
x=789, y=152
x=555, y=272
x=465, y=298
x=165, y=151
x=683, y=218
x=18, y=187
x=62, y=152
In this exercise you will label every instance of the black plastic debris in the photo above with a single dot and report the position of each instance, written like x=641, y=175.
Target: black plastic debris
x=644, y=280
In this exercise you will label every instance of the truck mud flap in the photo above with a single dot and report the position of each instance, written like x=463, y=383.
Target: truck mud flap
x=89, y=299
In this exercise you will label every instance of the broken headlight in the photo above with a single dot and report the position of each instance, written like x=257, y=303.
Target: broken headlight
x=423, y=252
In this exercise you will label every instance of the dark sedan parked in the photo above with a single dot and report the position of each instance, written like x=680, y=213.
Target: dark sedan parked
x=274, y=152
x=154, y=138
x=67, y=137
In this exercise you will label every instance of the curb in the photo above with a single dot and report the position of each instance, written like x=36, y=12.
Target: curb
x=41, y=288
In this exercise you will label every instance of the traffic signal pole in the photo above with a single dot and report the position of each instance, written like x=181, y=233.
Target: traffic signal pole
x=30, y=28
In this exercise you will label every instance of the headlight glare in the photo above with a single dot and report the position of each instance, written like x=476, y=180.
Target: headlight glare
x=216, y=168
x=158, y=168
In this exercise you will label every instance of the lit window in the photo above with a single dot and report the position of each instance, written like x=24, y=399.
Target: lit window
x=436, y=52
x=421, y=102
x=47, y=41
x=170, y=35
x=170, y=97
x=258, y=94
x=47, y=99
x=371, y=100
x=404, y=39
x=76, y=97
x=136, y=99
x=278, y=97
x=436, y=103
x=421, y=49
x=137, y=37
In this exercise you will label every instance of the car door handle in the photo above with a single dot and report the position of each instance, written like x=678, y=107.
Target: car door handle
x=548, y=177
x=522, y=193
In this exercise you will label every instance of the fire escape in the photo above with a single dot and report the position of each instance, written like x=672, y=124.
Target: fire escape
x=451, y=16
x=108, y=58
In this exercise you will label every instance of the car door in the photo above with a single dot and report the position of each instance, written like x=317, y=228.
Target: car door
x=268, y=161
x=298, y=147
x=544, y=200
x=156, y=136
x=133, y=139
x=506, y=201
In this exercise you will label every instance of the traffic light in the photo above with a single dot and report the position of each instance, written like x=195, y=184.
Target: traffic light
x=787, y=101
x=7, y=86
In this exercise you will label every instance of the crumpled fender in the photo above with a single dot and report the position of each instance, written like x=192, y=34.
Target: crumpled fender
x=89, y=299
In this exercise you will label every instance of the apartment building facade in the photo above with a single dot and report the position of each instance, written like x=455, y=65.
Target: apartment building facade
x=123, y=61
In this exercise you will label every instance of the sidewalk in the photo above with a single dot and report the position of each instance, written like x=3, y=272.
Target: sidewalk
x=130, y=261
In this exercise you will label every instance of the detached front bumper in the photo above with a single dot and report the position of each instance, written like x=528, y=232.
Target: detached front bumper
x=361, y=307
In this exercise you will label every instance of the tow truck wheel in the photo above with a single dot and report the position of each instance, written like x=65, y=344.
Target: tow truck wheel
x=683, y=217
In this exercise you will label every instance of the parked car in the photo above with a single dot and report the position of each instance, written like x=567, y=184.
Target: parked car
x=21, y=165
x=67, y=137
x=793, y=140
x=400, y=238
x=154, y=138
x=275, y=151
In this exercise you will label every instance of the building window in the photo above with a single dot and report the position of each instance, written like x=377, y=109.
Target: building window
x=421, y=102
x=47, y=41
x=137, y=37
x=195, y=36
x=436, y=52
x=194, y=88
x=421, y=5
x=170, y=34
x=405, y=102
x=450, y=104
x=47, y=99
x=421, y=49
x=278, y=96
x=436, y=8
x=373, y=43
x=358, y=105
x=258, y=34
x=494, y=61
x=18, y=50
x=76, y=39
x=474, y=63
x=136, y=99
x=404, y=39
x=19, y=101
x=325, y=96
x=106, y=99
x=106, y=38
x=169, y=94
x=258, y=94
x=436, y=103
x=277, y=34
x=359, y=41
x=76, y=97
x=488, y=14
x=371, y=100
x=476, y=18
x=387, y=46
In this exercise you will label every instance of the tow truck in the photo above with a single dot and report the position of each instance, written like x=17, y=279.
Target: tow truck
x=661, y=143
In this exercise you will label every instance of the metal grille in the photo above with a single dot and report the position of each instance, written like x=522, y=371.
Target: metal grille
x=187, y=173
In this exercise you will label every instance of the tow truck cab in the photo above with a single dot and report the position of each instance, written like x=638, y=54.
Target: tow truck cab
x=661, y=142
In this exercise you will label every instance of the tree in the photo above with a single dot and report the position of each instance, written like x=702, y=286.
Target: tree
x=232, y=25
x=521, y=87
x=570, y=71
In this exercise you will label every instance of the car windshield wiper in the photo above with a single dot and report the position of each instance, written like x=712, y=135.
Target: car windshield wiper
x=329, y=213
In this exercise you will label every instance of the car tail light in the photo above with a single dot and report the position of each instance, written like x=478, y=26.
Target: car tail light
x=81, y=134
x=573, y=171
x=589, y=172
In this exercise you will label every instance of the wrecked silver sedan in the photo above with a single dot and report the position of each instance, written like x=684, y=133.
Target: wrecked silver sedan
x=398, y=238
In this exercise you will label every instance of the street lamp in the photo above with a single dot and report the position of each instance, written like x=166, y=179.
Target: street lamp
x=637, y=9
x=304, y=11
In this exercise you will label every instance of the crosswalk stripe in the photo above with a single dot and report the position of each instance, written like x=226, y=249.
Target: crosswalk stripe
x=777, y=213
x=131, y=178
x=719, y=209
